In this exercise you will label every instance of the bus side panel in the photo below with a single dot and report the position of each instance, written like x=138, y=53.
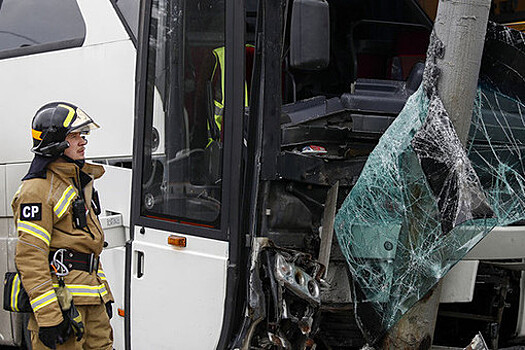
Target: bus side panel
x=99, y=79
x=10, y=175
x=113, y=261
x=114, y=190
x=6, y=336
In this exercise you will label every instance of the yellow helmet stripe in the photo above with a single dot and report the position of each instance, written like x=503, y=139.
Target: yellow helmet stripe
x=70, y=115
x=37, y=135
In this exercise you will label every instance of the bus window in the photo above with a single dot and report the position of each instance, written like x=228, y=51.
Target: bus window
x=183, y=146
x=31, y=26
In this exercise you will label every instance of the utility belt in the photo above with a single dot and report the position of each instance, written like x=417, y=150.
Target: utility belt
x=15, y=296
x=74, y=260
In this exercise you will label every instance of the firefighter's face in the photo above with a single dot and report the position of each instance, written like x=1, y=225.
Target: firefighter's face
x=76, y=148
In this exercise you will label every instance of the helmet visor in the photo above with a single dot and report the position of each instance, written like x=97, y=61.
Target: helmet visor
x=83, y=123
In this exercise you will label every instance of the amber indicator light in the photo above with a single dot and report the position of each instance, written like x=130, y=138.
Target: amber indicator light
x=121, y=312
x=177, y=241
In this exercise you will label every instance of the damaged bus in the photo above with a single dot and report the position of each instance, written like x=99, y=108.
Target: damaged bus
x=254, y=124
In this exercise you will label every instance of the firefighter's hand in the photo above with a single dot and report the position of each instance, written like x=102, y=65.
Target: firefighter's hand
x=109, y=309
x=51, y=336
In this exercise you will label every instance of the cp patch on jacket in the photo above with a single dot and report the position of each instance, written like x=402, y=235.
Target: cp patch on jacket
x=31, y=211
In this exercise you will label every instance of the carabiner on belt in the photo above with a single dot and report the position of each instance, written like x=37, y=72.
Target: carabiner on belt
x=57, y=263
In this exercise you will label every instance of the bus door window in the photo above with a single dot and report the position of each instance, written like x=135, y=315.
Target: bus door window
x=182, y=174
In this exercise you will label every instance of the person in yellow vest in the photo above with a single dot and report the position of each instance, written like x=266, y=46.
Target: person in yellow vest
x=217, y=80
x=56, y=215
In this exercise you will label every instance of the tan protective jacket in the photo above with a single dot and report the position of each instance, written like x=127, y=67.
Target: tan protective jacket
x=42, y=210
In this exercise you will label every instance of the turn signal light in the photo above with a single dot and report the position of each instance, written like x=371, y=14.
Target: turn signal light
x=177, y=241
x=121, y=312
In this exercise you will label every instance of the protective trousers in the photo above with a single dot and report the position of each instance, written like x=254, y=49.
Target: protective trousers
x=98, y=333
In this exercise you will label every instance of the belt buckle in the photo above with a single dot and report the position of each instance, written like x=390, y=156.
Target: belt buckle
x=93, y=263
x=91, y=258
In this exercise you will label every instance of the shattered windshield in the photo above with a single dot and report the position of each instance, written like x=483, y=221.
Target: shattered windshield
x=422, y=202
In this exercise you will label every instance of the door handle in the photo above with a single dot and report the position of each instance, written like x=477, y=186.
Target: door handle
x=140, y=263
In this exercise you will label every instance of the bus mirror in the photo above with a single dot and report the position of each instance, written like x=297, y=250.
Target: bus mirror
x=310, y=35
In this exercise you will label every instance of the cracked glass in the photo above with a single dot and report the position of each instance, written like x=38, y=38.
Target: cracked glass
x=423, y=201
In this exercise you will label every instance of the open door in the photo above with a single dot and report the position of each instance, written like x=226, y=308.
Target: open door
x=186, y=175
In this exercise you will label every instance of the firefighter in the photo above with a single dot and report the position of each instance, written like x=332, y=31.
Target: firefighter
x=56, y=214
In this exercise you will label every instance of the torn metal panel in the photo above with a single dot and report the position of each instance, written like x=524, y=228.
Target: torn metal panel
x=477, y=343
x=327, y=231
x=422, y=201
x=283, y=301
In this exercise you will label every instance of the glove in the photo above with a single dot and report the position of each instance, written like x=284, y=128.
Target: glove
x=75, y=320
x=109, y=309
x=50, y=336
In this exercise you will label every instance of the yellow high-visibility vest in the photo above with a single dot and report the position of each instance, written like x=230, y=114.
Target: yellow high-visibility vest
x=219, y=105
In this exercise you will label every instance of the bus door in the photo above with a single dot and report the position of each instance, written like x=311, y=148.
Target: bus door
x=186, y=174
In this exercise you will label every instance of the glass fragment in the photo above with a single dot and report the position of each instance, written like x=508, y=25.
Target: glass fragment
x=422, y=202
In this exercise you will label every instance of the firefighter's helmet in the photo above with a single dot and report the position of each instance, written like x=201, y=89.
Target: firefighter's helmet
x=53, y=122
